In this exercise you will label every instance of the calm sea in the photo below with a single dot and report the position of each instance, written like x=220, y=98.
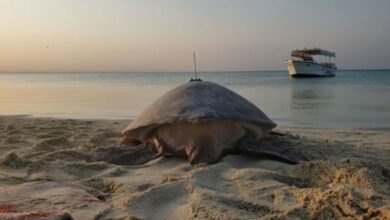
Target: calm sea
x=352, y=99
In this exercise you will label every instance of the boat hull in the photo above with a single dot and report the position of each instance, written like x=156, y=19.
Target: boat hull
x=305, y=69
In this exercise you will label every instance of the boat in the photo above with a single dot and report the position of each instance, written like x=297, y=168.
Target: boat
x=313, y=62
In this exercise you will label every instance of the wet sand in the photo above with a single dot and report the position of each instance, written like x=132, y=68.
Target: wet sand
x=63, y=169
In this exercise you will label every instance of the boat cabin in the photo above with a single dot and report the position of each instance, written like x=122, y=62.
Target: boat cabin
x=323, y=57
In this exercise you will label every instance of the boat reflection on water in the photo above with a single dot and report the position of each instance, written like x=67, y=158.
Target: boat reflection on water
x=311, y=103
x=313, y=99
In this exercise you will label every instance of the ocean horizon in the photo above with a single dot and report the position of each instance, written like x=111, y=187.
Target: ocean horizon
x=184, y=71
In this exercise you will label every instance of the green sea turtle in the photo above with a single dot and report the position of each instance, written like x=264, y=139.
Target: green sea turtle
x=203, y=121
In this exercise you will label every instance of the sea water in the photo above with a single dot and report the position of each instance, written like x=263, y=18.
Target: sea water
x=352, y=99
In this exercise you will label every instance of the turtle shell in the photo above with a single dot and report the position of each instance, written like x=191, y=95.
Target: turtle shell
x=198, y=101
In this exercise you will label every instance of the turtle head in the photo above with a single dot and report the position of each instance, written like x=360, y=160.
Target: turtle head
x=203, y=149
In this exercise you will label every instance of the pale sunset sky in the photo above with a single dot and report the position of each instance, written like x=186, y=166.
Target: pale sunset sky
x=160, y=35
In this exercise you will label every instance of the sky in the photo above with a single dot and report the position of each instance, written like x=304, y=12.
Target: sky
x=161, y=35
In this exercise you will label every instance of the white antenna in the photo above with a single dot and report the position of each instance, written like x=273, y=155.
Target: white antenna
x=196, y=74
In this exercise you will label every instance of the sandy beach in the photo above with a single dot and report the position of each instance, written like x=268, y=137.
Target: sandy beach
x=61, y=169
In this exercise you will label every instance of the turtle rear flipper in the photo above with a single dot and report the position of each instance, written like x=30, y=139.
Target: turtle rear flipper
x=277, y=152
x=127, y=155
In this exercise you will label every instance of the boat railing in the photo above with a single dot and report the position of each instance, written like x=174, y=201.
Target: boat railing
x=327, y=64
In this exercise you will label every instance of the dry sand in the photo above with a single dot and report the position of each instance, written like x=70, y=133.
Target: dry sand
x=58, y=169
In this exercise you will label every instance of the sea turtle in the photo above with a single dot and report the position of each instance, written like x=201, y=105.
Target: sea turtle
x=202, y=121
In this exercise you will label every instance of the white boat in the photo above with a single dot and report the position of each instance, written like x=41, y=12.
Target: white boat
x=303, y=63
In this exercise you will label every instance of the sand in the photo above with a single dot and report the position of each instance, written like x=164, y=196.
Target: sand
x=68, y=169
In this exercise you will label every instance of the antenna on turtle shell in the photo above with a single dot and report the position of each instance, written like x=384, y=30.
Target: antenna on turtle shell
x=196, y=73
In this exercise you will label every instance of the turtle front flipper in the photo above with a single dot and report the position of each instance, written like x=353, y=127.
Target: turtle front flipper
x=257, y=148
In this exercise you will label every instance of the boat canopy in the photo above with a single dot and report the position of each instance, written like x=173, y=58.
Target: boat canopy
x=307, y=53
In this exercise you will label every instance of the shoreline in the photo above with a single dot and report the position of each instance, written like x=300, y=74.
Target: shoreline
x=52, y=167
